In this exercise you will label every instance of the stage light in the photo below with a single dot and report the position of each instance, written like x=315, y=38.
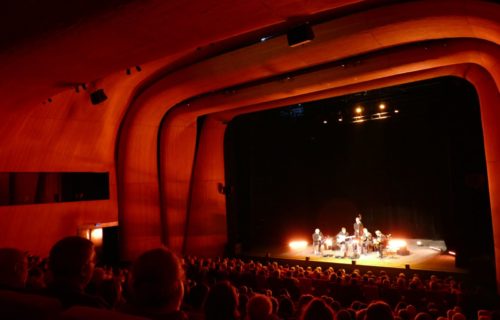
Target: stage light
x=325, y=121
x=396, y=111
x=435, y=248
x=358, y=110
x=452, y=253
x=419, y=243
x=340, y=119
x=396, y=244
x=297, y=245
x=381, y=106
x=359, y=121
x=96, y=236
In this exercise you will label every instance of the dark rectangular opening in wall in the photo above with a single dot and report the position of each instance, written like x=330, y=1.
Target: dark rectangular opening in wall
x=19, y=188
x=84, y=186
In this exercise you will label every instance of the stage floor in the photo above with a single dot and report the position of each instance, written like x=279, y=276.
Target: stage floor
x=424, y=257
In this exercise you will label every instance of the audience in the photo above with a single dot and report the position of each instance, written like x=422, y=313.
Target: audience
x=13, y=269
x=156, y=286
x=71, y=266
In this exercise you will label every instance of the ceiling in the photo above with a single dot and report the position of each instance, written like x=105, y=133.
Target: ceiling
x=48, y=46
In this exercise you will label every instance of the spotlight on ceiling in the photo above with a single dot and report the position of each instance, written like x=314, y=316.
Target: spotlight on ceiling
x=300, y=35
x=381, y=106
x=358, y=110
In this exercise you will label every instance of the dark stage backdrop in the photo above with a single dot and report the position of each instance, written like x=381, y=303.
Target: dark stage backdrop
x=417, y=174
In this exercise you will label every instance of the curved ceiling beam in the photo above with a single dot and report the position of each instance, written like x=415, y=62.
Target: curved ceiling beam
x=394, y=61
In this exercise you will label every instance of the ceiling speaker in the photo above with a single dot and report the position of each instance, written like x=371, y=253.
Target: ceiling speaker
x=98, y=96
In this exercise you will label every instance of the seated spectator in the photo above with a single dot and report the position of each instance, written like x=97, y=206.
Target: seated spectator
x=71, y=265
x=360, y=314
x=423, y=316
x=259, y=307
x=412, y=311
x=403, y=314
x=379, y=311
x=222, y=302
x=13, y=269
x=303, y=301
x=458, y=316
x=286, y=309
x=157, y=287
x=343, y=314
x=196, y=299
x=317, y=309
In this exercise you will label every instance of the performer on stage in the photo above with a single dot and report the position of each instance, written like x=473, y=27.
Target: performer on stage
x=342, y=238
x=366, y=241
x=380, y=242
x=358, y=232
x=358, y=227
x=317, y=237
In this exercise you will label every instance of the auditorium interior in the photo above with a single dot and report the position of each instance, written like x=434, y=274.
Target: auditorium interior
x=233, y=128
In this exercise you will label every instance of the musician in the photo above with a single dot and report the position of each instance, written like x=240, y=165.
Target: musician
x=358, y=232
x=366, y=241
x=380, y=242
x=342, y=238
x=358, y=227
x=317, y=237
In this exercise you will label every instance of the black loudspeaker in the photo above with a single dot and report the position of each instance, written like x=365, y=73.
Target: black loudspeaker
x=98, y=96
x=300, y=35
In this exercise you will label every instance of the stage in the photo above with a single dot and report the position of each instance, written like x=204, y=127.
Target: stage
x=431, y=255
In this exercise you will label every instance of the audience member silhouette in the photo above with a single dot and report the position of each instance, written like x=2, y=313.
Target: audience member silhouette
x=222, y=302
x=259, y=307
x=317, y=310
x=379, y=311
x=71, y=265
x=157, y=286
